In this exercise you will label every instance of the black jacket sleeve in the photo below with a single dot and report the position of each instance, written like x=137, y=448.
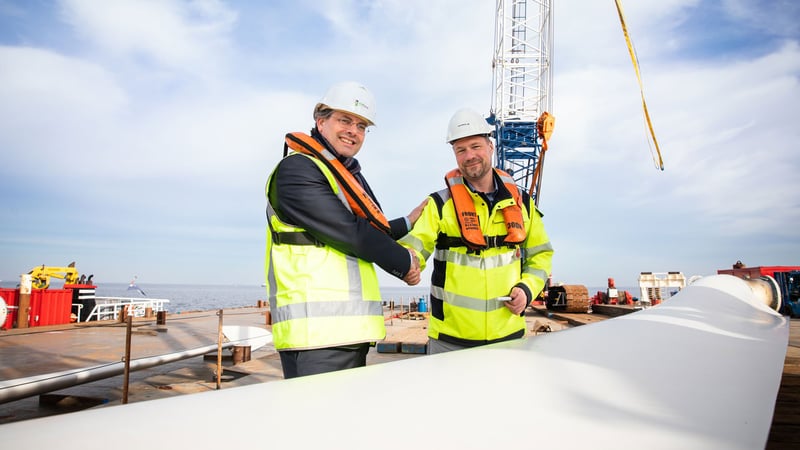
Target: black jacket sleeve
x=302, y=196
x=399, y=227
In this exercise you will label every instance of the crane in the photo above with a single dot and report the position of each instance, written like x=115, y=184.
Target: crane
x=40, y=275
x=522, y=65
x=522, y=99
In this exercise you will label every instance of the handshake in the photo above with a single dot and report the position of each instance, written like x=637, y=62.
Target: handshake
x=413, y=275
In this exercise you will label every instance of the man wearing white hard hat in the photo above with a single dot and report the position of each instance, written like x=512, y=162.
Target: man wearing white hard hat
x=491, y=254
x=325, y=231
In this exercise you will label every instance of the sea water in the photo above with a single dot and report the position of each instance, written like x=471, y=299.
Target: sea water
x=190, y=297
x=193, y=297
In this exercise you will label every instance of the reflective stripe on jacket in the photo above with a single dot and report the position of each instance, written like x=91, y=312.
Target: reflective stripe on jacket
x=466, y=284
x=319, y=297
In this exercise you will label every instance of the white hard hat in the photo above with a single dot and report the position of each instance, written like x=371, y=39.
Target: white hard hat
x=466, y=122
x=351, y=97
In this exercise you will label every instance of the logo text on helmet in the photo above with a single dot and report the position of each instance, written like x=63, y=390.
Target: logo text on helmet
x=359, y=103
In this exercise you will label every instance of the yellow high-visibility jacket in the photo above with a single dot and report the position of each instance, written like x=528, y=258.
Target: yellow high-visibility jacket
x=319, y=297
x=465, y=285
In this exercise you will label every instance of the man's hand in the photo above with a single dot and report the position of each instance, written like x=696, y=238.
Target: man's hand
x=416, y=212
x=518, y=301
x=413, y=275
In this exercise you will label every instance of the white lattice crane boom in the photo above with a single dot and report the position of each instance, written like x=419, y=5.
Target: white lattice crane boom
x=522, y=94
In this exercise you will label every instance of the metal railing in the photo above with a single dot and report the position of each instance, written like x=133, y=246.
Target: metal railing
x=109, y=308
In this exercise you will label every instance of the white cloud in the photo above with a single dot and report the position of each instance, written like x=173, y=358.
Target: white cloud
x=50, y=104
x=444, y=48
x=164, y=119
x=188, y=37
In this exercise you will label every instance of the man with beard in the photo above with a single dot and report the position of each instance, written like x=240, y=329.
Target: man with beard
x=491, y=254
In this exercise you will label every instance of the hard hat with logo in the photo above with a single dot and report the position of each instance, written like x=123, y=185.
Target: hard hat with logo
x=466, y=122
x=351, y=97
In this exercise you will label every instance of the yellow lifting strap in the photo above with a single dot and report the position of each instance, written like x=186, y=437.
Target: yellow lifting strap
x=660, y=162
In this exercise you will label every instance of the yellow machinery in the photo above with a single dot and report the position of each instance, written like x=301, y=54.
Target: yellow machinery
x=40, y=275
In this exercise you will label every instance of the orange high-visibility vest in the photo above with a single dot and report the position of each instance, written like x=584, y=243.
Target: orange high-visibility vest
x=468, y=220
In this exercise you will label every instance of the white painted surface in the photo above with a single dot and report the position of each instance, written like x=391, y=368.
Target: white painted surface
x=255, y=337
x=700, y=371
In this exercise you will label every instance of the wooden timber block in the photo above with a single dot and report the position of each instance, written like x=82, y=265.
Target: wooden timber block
x=241, y=354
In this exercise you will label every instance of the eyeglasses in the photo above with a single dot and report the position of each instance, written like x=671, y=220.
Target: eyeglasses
x=348, y=122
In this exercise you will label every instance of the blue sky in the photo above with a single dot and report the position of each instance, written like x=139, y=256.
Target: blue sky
x=136, y=136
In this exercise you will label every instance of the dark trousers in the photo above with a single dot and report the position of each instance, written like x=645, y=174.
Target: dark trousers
x=299, y=363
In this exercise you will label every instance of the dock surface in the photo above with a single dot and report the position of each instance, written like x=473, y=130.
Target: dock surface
x=34, y=351
x=42, y=350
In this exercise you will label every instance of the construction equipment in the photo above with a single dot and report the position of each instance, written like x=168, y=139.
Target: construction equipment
x=656, y=287
x=521, y=100
x=521, y=97
x=523, y=45
x=522, y=104
x=570, y=298
x=612, y=296
x=523, y=48
x=40, y=275
x=786, y=281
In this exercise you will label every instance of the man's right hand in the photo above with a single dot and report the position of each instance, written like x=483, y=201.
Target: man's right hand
x=413, y=275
